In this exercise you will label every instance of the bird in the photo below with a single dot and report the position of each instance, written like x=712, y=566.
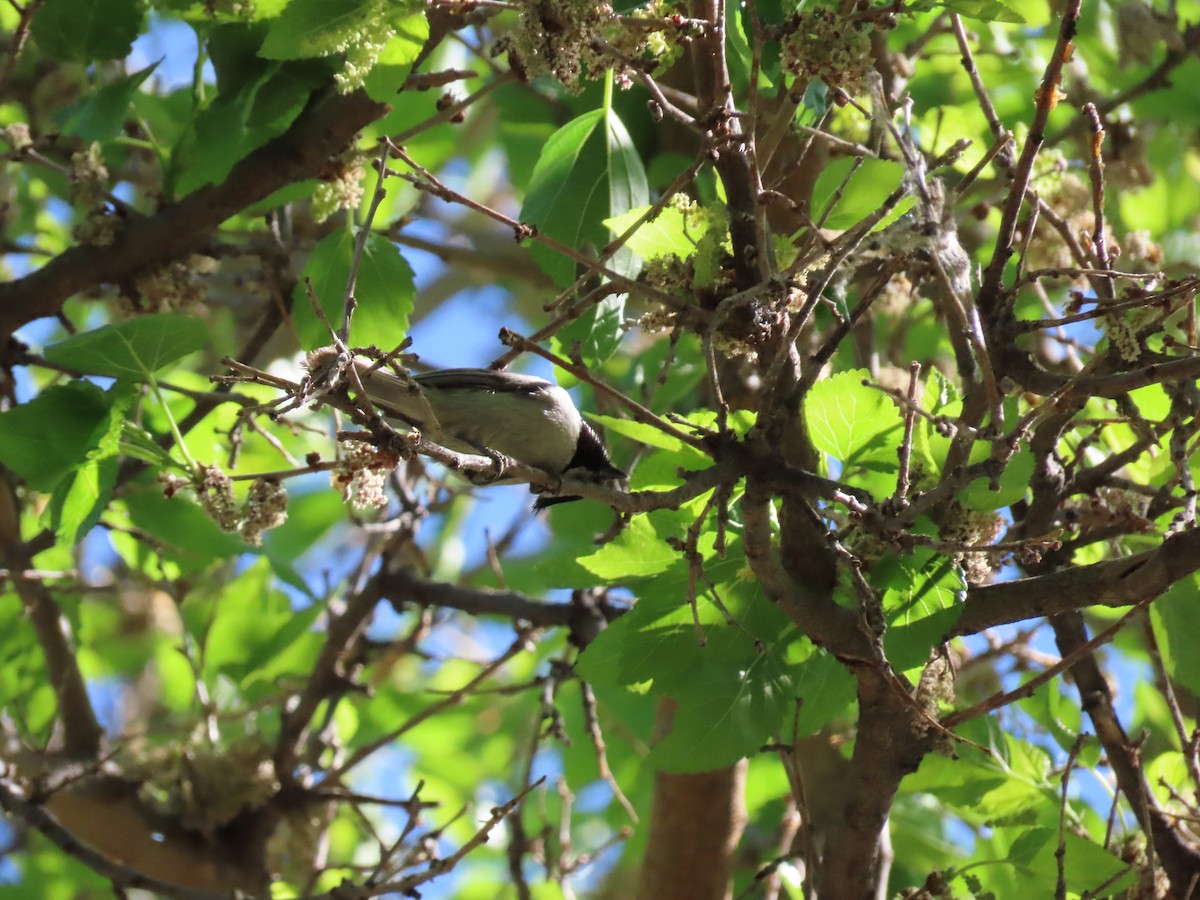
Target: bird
x=522, y=417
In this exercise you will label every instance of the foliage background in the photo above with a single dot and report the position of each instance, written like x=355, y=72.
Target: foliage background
x=796, y=606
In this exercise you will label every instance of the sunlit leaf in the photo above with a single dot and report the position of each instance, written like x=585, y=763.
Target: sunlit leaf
x=855, y=424
x=587, y=173
x=133, y=349
x=384, y=291
x=862, y=193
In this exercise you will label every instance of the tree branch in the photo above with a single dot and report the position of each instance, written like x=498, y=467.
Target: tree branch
x=1118, y=582
x=1180, y=861
x=323, y=129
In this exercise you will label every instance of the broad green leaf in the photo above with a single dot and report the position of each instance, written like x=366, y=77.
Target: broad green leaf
x=922, y=596
x=216, y=140
x=182, y=528
x=824, y=687
x=1177, y=628
x=1013, y=485
x=1062, y=718
x=657, y=638
x=659, y=641
x=395, y=60
x=733, y=689
x=574, y=527
x=176, y=678
x=595, y=335
x=1150, y=710
x=1086, y=866
x=857, y=425
x=522, y=131
x=931, y=448
x=1007, y=787
x=310, y=516
x=134, y=349
x=657, y=471
x=233, y=51
x=640, y=550
x=100, y=116
x=411, y=33
x=665, y=235
x=51, y=435
x=79, y=500
x=86, y=30
x=650, y=436
x=601, y=662
x=236, y=123
x=384, y=291
x=317, y=27
x=740, y=55
x=728, y=714
x=872, y=183
x=985, y=11
x=253, y=632
x=588, y=171
x=1164, y=773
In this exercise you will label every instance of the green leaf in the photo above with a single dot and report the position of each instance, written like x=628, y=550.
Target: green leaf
x=254, y=630
x=79, y=500
x=233, y=52
x=86, y=30
x=1177, y=628
x=740, y=55
x=133, y=349
x=523, y=130
x=22, y=666
x=666, y=234
x=643, y=433
x=657, y=639
x=395, y=61
x=310, y=516
x=640, y=550
x=588, y=171
x=1010, y=785
x=237, y=122
x=182, y=529
x=733, y=690
x=100, y=116
x=315, y=27
x=932, y=448
x=855, y=424
x=985, y=10
x=384, y=291
x=728, y=714
x=595, y=335
x=1013, y=485
x=872, y=183
x=51, y=435
x=176, y=678
x=1062, y=719
x=1086, y=865
x=573, y=526
x=825, y=688
x=922, y=599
